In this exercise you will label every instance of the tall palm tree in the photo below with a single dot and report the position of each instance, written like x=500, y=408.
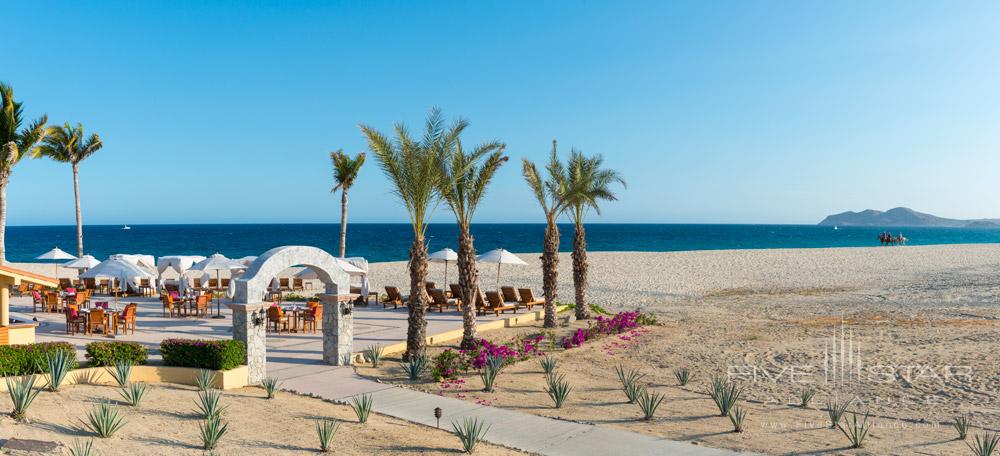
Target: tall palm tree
x=463, y=187
x=550, y=192
x=414, y=168
x=345, y=170
x=69, y=145
x=587, y=184
x=15, y=144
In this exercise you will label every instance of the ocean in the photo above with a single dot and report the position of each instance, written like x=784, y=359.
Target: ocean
x=390, y=242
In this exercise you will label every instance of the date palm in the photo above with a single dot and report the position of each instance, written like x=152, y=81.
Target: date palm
x=345, y=171
x=587, y=184
x=466, y=176
x=15, y=144
x=67, y=144
x=414, y=167
x=550, y=192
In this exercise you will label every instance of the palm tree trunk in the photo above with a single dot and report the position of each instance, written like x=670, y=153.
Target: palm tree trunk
x=79, y=214
x=416, y=331
x=580, y=272
x=467, y=283
x=550, y=272
x=3, y=218
x=343, y=222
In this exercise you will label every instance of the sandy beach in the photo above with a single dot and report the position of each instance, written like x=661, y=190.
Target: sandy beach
x=910, y=331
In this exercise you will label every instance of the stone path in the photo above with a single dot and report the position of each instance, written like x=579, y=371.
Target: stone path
x=511, y=429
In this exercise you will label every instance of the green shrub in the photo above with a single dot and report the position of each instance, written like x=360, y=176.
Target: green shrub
x=222, y=354
x=448, y=365
x=30, y=359
x=111, y=353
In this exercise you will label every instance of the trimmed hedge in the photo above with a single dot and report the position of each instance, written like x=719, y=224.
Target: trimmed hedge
x=205, y=354
x=111, y=353
x=31, y=358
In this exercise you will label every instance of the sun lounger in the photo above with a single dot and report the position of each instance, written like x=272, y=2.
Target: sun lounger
x=528, y=299
x=393, y=298
x=495, y=304
x=439, y=300
x=509, y=295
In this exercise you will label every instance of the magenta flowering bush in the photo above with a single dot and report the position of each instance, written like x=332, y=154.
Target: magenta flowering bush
x=618, y=323
x=450, y=363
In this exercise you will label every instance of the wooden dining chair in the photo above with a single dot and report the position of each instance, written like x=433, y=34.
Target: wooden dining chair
x=276, y=317
x=74, y=321
x=201, y=305
x=311, y=317
x=96, y=320
x=51, y=301
x=127, y=319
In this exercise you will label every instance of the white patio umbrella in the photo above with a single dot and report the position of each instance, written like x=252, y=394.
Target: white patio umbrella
x=55, y=254
x=443, y=256
x=83, y=263
x=500, y=256
x=217, y=262
x=117, y=270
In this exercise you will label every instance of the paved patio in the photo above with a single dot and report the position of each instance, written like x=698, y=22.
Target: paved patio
x=372, y=325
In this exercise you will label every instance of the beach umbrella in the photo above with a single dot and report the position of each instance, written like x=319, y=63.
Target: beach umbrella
x=83, y=263
x=443, y=256
x=217, y=262
x=118, y=270
x=55, y=254
x=500, y=256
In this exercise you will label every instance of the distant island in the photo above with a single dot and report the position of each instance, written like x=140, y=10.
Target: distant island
x=902, y=216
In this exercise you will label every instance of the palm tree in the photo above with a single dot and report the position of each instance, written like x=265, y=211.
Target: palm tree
x=414, y=168
x=345, y=170
x=68, y=145
x=587, y=184
x=551, y=195
x=15, y=144
x=463, y=187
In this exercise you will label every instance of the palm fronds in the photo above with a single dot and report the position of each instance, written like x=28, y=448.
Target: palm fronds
x=345, y=169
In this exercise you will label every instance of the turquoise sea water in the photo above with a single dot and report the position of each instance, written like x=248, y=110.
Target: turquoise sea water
x=390, y=242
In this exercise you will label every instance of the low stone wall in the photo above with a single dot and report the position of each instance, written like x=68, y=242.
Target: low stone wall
x=224, y=380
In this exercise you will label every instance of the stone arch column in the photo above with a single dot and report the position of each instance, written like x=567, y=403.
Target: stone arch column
x=250, y=312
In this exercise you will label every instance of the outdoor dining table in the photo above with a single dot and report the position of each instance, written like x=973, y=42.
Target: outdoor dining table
x=296, y=310
x=110, y=323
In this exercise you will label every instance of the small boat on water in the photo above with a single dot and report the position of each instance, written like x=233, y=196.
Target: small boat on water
x=126, y=227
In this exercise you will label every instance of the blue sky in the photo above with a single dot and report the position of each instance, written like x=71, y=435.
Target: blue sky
x=729, y=112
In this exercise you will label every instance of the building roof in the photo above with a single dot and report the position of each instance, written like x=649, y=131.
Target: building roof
x=27, y=276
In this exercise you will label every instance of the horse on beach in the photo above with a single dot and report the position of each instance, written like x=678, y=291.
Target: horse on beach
x=887, y=238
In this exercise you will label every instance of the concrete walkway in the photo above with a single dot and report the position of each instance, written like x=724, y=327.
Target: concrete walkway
x=522, y=431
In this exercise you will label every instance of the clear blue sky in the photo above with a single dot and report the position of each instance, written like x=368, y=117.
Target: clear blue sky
x=732, y=112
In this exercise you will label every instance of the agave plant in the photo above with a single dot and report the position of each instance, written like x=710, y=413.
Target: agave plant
x=415, y=367
x=82, y=448
x=470, y=432
x=806, y=397
x=59, y=363
x=205, y=380
x=629, y=379
x=374, y=354
x=558, y=389
x=490, y=372
x=121, y=372
x=362, y=406
x=104, y=420
x=961, y=425
x=271, y=385
x=985, y=444
x=725, y=393
x=22, y=393
x=855, y=431
x=133, y=393
x=737, y=416
x=548, y=364
x=648, y=403
x=212, y=430
x=835, y=409
x=326, y=430
x=208, y=404
x=683, y=376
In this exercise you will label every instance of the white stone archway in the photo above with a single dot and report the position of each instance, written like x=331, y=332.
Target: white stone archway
x=250, y=312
